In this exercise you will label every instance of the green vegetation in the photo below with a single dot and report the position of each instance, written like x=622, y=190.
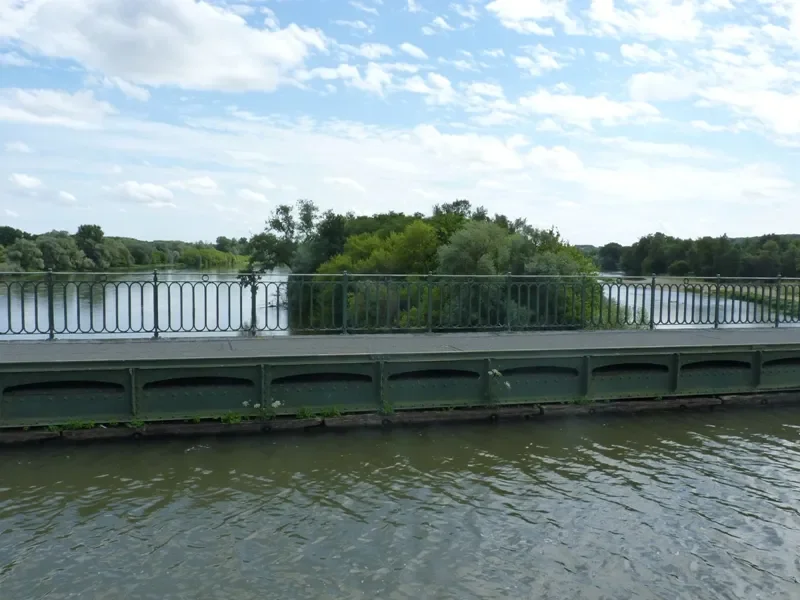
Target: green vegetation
x=454, y=240
x=305, y=413
x=231, y=418
x=89, y=249
x=755, y=257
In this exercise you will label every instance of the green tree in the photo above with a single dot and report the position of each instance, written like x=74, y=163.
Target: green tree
x=61, y=253
x=26, y=255
x=609, y=257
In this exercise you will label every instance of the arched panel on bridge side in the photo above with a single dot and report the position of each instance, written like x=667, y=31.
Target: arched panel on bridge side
x=325, y=389
x=538, y=382
x=781, y=370
x=716, y=372
x=188, y=393
x=632, y=378
x=31, y=399
x=434, y=384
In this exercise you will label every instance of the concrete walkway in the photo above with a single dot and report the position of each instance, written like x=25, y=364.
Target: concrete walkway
x=21, y=352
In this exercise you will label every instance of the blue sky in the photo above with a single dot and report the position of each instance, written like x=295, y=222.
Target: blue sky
x=610, y=120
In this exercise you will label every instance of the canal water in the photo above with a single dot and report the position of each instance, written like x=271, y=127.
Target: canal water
x=669, y=506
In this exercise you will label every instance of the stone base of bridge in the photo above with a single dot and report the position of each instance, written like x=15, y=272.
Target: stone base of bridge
x=319, y=424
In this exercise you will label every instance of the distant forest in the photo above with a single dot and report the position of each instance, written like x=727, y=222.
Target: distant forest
x=455, y=238
x=89, y=249
x=762, y=256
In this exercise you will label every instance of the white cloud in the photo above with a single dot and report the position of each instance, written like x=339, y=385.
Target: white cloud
x=271, y=21
x=490, y=90
x=357, y=25
x=252, y=196
x=527, y=16
x=479, y=152
x=19, y=147
x=132, y=91
x=413, y=50
x=12, y=59
x=67, y=197
x=413, y=6
x=375, y=79
x=584, y=111
x=266, y=183
x=441, y=23
x=370, y=51
x=647, y=19
x=468, y=11
x=345, y=182
x=538, y=60
x=602, y=56
x=655, y=87
x=641, y=53
x=25, y=182
x=53, y=107
x=437, y=89
x=201, y=186
x=148, y=194
x=494, y=53
x=11, y=213
x=170, y=43
x=363, y=7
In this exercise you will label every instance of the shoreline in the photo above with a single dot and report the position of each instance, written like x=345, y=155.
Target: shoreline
x=90, y=432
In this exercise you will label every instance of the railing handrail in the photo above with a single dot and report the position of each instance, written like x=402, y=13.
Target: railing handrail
x=500, y=276
x=201, y=302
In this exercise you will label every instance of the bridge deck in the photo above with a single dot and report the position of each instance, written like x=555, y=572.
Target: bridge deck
x=21, y=352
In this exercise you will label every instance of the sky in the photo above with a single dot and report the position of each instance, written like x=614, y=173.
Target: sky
x=182, y=119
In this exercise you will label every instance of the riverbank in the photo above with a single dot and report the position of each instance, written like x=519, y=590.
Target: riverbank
x=320, y=423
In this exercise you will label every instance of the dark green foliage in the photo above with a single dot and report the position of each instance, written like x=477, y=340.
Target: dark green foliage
x=763, y=256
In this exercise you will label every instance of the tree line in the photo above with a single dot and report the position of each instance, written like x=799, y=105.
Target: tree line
x=89, y=249
x=753, y=257
x=455, y=239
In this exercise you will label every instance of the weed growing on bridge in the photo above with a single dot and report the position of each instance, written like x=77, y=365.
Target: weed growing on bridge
x=305, y=413
x=265, y=412
x=74, y=425
x=231, y=418
x=387, y=408
x=136, y=424
x=331, y=412
x=497, y=386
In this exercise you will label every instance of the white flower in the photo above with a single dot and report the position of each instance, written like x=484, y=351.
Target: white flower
x=245, y=403
x=256, y=406
x=276, y=404
x=508, y=385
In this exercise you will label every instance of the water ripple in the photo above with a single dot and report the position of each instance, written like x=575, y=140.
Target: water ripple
x=683, y=506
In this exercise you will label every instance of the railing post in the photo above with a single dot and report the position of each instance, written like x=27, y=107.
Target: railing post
x=253, y=306
x=430, y=302
x=508, y=300
x=344, y=302
x=51, y=309
x=653, y=302
x=155, y=304
x=583, y=302
x=778, y=302
x=716, y=304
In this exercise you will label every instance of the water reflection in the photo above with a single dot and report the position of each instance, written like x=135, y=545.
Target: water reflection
x=669, y=506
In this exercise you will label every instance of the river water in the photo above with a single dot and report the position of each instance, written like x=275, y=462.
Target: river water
x=669, y=506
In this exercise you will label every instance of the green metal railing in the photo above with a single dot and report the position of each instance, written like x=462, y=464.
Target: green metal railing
x=62, y=305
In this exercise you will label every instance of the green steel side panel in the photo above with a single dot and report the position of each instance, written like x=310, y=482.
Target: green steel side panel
x=538, y=380
x=322, y=387
x=63, y=396
x=631, y=376
x=433, y=384
x=780, y=370
x=186, y=393
x=718, y=372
